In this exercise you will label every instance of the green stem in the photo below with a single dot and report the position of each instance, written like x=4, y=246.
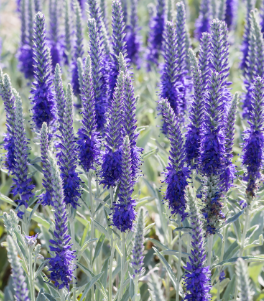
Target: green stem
x=221, y=259
x=169, y=262
x=123, y=261
x=179, y=263
x=31, y=276
x=210, y=248
x=112, y=252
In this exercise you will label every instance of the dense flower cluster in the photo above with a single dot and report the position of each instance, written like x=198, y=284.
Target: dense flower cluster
x=193, y=136
x=112, y=158
x=67, y=156
x=118, y=44
x=9, y=105
x=46, y=182
x=138, y=247
x=78, y=49
x=155, y=39
x=99, y=75
x=22, y=182
x=132, y=37
x=25, y=52
x=230, y=13
x=88, y=138
x=204, y=20
x=42, y=97
x=124, y=209
x=61, y=266
x=197, y=276
x=177, y=174
x=19, y=280
x=254, y=139
x=55, y=44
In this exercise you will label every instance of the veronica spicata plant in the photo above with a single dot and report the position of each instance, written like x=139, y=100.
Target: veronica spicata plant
x=25, y=53
x=55, y=44
x=78, y=48
x=197, y=274
x=246, y=36
x=132, y=36
x=61, y=262
x=9, y=105
x=118, y=44
x=46, y=169
x=177, y=173
x=68, y=153
x=171, y=87
x=42, y=97
x=112, y=158
x=22, y=182
x=155, y=38
x=88, y=137
x=130, y=122
x=194, y=132
x=19, y=280
x=243, y=281
x=124, y=213
x=254, y=140
x=203, y=22
x=99, y=75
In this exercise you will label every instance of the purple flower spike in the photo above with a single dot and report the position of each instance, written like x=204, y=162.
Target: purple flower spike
x=130, y=122
x=197, y=275
x=124, y=209
x=171, y=86
x=132, y=36
x=99, y=75
x=230, y=13
x=61, y=264
x=228, y=174
x=194, y=133
x=56, y=47
x=25, y=54
x=177, y=174
x=22, y=183
x=254, y=140
x=19, y=280
x=78, y=51
x=88, y=141
x=203, y=22
x=112, y=158
x=205, y=59
x=46, y=169
x=155, y=39
x=213, y=141
x=138, y=246
x=9, y=105
x=67, y=157
x=118, y=44
x=42, y=97
x=245, y=42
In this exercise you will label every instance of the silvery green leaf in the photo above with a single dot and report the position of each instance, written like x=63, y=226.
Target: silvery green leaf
x=157, y=243
x=233, y=260
x=104, y=271
x=41, y=267
x=91, y=274
x=183, y=229
x=126, y=295
x=98, y=246
x=33, y=211
x=173, y=252
x=87, y=243
x=229, y=291
x=41, y=296
x=168, y=268
x=90, y=284
x=233, y=248
x=233, y=218
x=100, y=228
